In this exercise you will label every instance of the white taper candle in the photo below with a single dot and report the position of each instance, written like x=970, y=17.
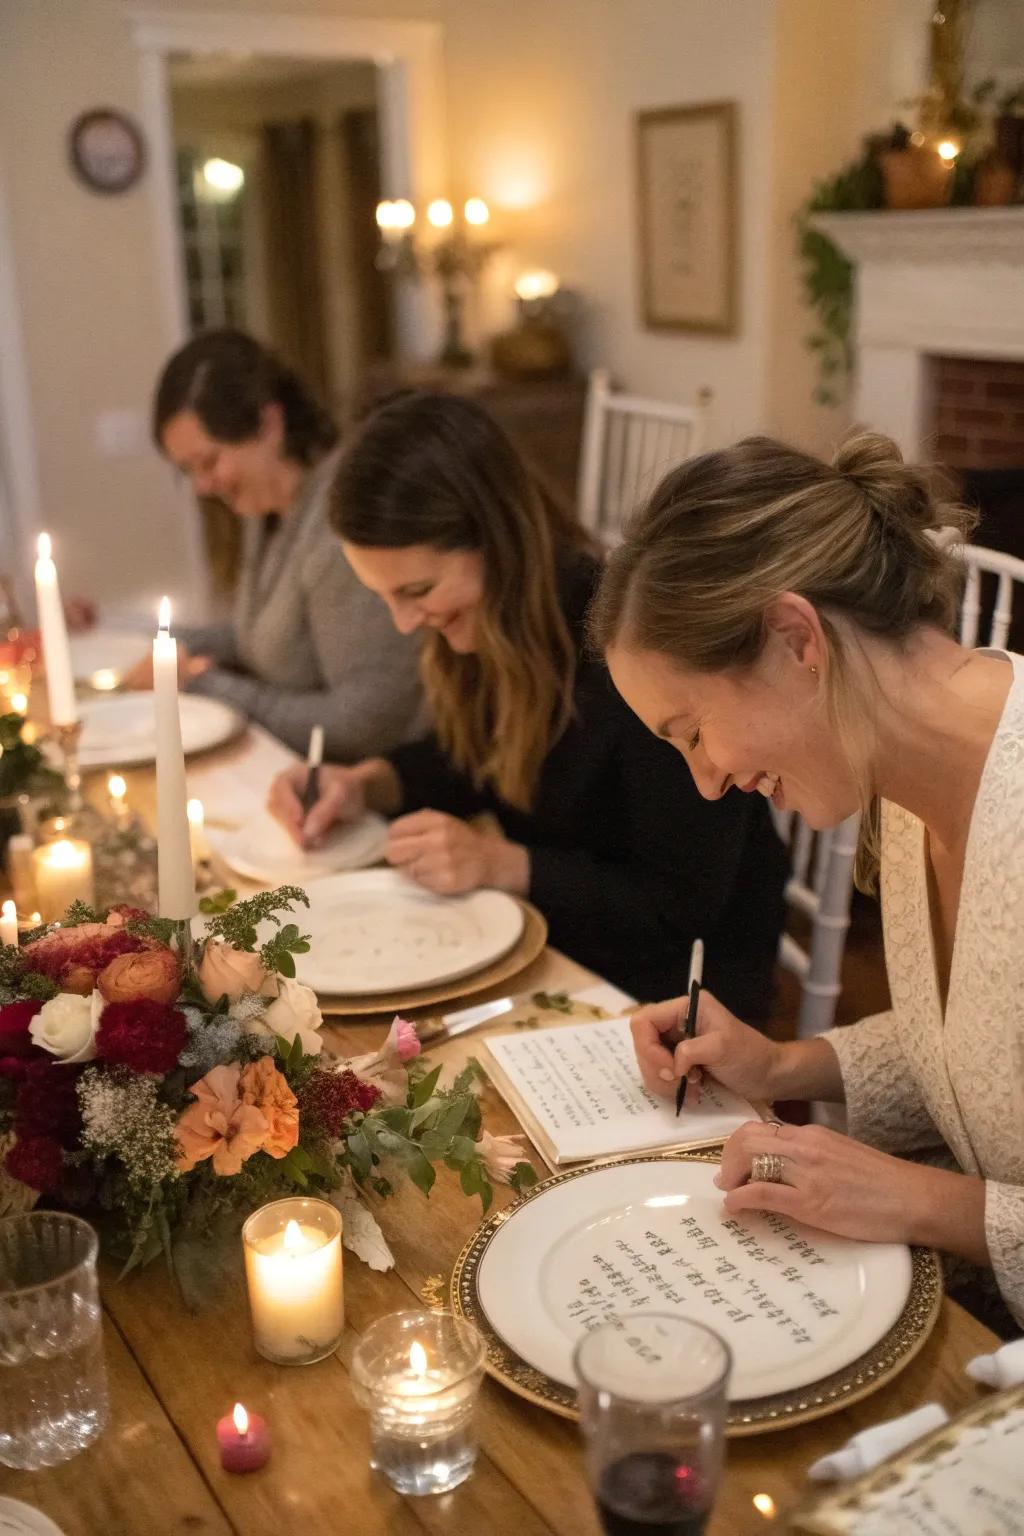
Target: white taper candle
x=177, y=881
x=60, y=681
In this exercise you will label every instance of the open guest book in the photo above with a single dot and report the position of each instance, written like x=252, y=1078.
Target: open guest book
x=576, y=1090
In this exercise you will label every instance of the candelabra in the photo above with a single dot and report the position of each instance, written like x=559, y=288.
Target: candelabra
x=453, y=252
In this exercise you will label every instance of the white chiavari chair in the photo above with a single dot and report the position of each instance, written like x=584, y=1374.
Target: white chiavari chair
x=629, y=443
x=1008, y=572
x=820, y=887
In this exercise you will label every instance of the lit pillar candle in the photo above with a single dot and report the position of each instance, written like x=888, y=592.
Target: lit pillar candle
x=60, y=681
x=176, y=878
x=244, y=1441
x=294, y=1276
x=9, y=924
x=63, y=874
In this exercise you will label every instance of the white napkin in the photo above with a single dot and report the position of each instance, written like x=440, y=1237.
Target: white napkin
x=873, y=1445
x=1004, y=1368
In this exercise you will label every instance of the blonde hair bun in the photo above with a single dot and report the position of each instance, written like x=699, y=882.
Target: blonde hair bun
x=902, y=494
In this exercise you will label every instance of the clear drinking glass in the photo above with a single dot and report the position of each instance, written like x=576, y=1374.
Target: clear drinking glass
x=53, y=1380
x=653, y=1396
x=418, y=1373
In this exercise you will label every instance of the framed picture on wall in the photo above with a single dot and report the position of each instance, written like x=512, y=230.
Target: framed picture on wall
x=686, y=206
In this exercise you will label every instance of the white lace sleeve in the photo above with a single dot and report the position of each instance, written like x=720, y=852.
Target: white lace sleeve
x=1004, y=1230
x=884, y=1106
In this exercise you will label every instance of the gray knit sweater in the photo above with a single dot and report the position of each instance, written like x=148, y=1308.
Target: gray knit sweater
x=308, y=644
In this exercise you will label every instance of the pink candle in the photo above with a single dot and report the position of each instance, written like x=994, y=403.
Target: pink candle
x=244, y=1440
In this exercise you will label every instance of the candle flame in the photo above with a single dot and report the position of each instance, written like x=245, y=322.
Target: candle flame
x=116, y=787
x=105, y=680
x=19, y=703
x=765, y=1505
x=241, y=1419
x=63, y=855
x=194, y=811
x=44, y=546
x=418, y=1359
x=293, y=1239
x=164, y=620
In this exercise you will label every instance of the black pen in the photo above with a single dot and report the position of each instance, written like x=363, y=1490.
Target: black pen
x=314, y=757
x=690, y=1026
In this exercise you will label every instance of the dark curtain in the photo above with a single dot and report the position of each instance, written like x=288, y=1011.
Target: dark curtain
x=291, y=153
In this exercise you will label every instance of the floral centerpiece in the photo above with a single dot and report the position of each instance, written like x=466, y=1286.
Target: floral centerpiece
x=167, y=1087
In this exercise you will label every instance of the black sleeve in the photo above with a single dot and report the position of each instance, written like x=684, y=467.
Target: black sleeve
x=632, y=914
x=429, y=782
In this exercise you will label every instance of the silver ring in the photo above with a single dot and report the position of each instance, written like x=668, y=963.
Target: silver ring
x=767, y=1168
x=776, y=1125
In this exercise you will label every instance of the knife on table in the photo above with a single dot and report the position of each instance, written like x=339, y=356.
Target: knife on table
x=450, y=1025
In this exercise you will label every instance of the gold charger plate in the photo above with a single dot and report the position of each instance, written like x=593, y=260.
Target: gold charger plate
x=753, y=1416
x=527, y=947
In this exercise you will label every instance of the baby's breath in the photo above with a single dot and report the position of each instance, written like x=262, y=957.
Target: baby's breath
x=122, y=1117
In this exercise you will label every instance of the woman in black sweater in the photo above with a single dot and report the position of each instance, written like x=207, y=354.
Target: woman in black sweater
x=593, y=819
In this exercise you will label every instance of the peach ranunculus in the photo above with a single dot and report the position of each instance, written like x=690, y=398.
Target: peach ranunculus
x=152, y=975
x=219, y=1125
x=225, y=971
x=262, y=1085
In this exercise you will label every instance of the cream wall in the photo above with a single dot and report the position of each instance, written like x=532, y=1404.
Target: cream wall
x=540, y=97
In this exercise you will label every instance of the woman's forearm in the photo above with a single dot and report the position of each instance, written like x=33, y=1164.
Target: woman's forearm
x=947, y=1211
x=806, y=1069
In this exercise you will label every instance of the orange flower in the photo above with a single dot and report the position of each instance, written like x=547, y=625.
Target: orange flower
x=263, y=1086
x=218, y=1125
x=152, y=975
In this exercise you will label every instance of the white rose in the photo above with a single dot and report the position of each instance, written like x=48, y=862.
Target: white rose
x=294, y=1012
x=66, y=1026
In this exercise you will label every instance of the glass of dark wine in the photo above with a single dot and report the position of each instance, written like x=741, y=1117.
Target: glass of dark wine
x=653, y=1391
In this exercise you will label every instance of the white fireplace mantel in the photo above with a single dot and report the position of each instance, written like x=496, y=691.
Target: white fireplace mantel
x=942, y=282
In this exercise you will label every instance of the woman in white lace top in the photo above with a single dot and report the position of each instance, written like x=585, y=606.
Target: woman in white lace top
x=787, y=624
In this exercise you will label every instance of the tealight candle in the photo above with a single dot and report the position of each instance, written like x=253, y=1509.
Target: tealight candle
x=418, y=1373
x=244, y=1440
x=9, y=924
x=62, y=873
x=294, y=1276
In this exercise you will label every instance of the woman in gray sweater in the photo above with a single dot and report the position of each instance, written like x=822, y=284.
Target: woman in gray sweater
x=307, y=644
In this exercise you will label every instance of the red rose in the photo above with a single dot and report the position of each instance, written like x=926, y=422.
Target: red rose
x=145, y=1036
x=47, y=1102
x=36, y=1161
x=15, y=1039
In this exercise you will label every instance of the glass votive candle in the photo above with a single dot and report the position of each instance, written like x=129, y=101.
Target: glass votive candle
x=294, y=1276
x=62, y=873
x=419, y=1373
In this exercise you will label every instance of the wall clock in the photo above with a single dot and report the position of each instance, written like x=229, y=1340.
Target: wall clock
x=107, y=152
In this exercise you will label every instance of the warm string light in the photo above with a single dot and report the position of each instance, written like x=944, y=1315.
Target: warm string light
x=476, y=211
x=440, y=213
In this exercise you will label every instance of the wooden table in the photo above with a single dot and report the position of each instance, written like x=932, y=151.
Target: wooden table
x=156, y=1471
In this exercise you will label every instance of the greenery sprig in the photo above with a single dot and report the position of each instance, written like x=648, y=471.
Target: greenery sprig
x=237, y=923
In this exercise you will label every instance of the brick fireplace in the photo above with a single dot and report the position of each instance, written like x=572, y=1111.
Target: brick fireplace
x=977, y=410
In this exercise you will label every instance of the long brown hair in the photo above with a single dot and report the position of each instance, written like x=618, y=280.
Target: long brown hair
x=437, y=469
x=724, y=535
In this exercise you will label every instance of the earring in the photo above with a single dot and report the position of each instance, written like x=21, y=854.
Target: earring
x=813, y=671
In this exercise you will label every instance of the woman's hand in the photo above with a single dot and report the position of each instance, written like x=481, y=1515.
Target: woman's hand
x=140, y=677
x=735, y=1054
x=342, y=798
x=450, y=857
x=831, y=1182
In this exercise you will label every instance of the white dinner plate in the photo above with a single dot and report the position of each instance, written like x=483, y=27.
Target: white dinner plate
x=18, y=1519
x=377, y=932
x=793, y=1304
x=101, y=657
x=262, y=849
x=121, y=731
